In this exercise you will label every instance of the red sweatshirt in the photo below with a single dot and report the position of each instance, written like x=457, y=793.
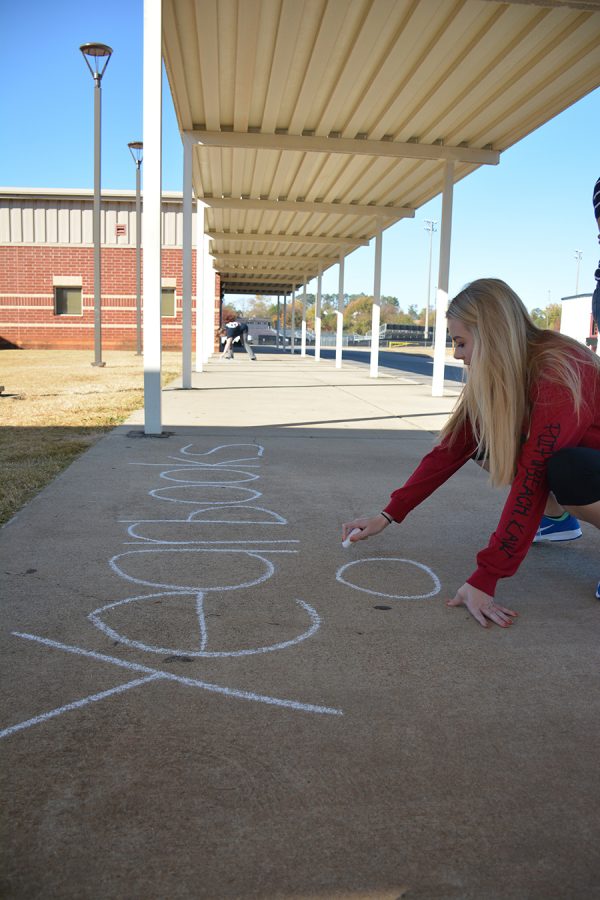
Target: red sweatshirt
x=553, y=426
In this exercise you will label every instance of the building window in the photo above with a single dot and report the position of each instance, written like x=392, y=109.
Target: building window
x=67, y=301
x=167, y=301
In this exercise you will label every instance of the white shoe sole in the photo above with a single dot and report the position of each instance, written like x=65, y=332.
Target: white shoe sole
x=559, y=536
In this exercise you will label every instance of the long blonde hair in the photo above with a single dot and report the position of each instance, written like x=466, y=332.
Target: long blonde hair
x=509, y=354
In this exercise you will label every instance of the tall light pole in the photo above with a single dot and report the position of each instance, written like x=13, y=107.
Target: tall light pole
x=136, y=150
x=578, y=255
x=430, y=226
x=99, y=54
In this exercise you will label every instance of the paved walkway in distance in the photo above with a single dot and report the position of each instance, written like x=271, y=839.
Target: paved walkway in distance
x=206, y=696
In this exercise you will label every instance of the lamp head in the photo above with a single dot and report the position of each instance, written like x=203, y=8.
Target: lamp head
x=136, y=149
x=94, y=54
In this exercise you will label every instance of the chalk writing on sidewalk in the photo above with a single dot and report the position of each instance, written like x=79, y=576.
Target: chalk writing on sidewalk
x=209, y=567
x=364, y=565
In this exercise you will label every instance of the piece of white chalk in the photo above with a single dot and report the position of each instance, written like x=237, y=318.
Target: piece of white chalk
x=347, y=543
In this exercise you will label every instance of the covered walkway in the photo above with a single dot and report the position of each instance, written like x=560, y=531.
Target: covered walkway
x=310, y=127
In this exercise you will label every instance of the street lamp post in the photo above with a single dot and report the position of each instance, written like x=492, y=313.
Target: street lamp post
x=430, y=226
x=136, y=150
x=99, y=54
x=578, y=255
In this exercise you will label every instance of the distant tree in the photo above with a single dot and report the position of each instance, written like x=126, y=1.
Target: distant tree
x=297, y=307
x=329, y=303
x=357, y=315
x=328, y=320
x=390, y=313
x=257, y=308
x=548, y=317
x=554, y=312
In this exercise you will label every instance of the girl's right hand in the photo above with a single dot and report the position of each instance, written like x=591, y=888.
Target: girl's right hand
x=368, y=527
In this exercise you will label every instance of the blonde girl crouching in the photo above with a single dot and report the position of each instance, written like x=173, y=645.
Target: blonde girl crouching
x=531, y=408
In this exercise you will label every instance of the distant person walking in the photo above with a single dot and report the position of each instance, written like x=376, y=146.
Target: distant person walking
x=237, y=331
x=531, y=410
x=596, y=294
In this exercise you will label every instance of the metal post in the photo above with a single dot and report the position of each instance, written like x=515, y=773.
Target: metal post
x=376, y=310
x=293, y=322
x=136, y=148
x=303, y=334
x=96, y=227
x=97, y=52
x=284, y=322
x=186, y=308
x=138, y=260
x=209, y=300
x=152, y=116
x=430, y=227
x=439, y=353
x=318, y=318
x=340, y=317
x=200, y=207
x=578, y=255
x=278, y=320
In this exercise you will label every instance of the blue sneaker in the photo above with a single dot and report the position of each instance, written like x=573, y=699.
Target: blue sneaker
x=598, y=591
x=563, y=529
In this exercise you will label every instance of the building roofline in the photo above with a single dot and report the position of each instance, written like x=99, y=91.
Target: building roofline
x=83, y=193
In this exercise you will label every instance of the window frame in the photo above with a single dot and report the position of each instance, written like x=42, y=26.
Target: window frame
x=58, y=287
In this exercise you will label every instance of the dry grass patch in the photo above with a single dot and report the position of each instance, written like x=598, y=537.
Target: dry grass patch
x=55, y=405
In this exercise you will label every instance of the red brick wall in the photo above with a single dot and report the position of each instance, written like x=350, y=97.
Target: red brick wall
x=27, y=316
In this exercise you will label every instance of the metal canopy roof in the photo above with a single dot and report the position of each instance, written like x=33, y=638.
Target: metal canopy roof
x=318, y=122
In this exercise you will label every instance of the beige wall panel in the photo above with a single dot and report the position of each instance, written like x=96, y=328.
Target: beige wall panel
x=16, y=224
x=87, y=225
x=64, y=222
x=75, y=223
x=27, y=229
x=4, y=222
x=52, y=225
x=39, y=222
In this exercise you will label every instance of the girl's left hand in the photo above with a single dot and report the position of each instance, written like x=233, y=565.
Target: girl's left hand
x=482, y=607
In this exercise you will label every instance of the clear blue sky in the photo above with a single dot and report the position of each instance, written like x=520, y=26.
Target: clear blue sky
x=522, y=220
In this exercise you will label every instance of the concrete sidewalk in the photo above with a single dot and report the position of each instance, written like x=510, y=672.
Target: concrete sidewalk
x=206, y=696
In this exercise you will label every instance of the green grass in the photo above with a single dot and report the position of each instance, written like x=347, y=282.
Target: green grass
x=55, y=405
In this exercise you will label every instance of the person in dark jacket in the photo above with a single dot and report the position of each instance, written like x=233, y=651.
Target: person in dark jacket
x=596, y=294
x=238, y=331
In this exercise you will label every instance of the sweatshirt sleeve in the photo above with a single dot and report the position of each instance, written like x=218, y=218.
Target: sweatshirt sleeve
x=553, y=425
x=434, y=469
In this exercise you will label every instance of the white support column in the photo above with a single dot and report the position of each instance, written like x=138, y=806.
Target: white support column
x=340, y=317
x=303, y=336
x=200, y=324
x=376, y=311
x=209, y=301
x=439, y=352
x=284, y=322
x=278, y=319
x=318, y=318
x=152, y=137
x=293, y=323
x=186, y=311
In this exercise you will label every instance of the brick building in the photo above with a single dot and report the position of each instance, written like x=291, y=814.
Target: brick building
x=47, y=270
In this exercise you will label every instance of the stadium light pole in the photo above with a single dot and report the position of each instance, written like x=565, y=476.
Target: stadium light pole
x=578, y=255
x=99, y=54
x=430, y=226
x=136, y=149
